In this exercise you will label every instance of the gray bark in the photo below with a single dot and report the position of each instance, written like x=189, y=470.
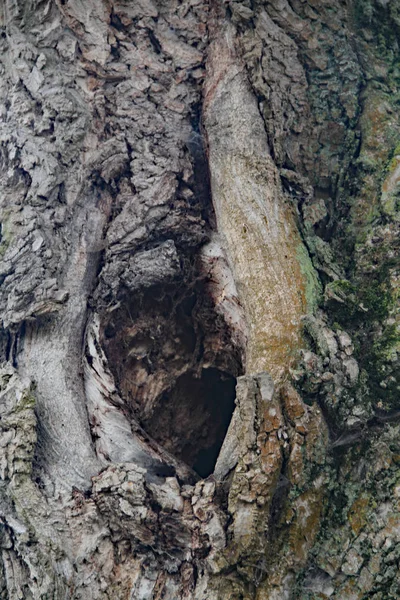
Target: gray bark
x=199, y=299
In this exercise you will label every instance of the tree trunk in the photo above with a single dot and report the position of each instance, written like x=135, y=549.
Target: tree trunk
x=199, y=264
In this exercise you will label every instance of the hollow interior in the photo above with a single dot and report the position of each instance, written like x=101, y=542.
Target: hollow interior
x=192, y=419
x=176, y=365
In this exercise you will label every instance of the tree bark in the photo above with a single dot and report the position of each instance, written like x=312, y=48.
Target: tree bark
x=199, y=270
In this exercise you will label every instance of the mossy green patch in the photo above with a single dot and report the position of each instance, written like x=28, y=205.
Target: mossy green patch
x=313, y=287
x=341, y=300
x=26, y=402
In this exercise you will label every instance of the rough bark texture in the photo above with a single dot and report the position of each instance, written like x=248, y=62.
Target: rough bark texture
x=199, y=263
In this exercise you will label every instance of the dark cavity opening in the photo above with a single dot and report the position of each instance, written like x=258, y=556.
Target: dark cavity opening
x=192, y=419
x=175, y=362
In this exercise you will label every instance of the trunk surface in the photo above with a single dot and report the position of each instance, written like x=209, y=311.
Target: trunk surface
x=199, y=268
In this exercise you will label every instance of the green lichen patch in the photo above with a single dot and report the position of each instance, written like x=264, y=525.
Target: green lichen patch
x=313, y=288
x=341, y=300
x=380, y=25
x=356, y=554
